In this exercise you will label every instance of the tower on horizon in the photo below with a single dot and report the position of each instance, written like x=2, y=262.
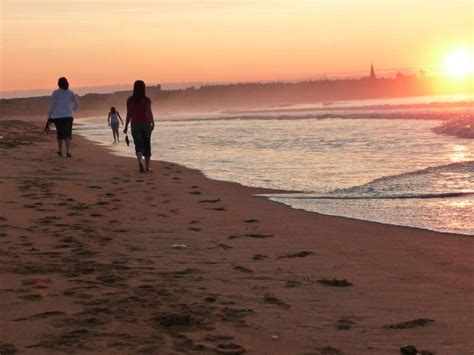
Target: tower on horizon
x=372, y=72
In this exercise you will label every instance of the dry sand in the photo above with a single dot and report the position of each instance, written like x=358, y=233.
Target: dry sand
x=87, y=265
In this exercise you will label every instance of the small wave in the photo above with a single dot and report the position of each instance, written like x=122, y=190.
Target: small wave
x=457, y=181
x=324, y=107
x=433, y=114
x=458, y=166
x=386, y=197
x=462, y=127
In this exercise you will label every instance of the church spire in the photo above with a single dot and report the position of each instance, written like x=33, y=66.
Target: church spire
x=372, y=72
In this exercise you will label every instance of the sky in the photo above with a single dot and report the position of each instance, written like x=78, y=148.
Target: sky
x=108, y=42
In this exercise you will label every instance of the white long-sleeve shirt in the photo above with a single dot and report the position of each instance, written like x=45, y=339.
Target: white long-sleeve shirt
x=63, y=104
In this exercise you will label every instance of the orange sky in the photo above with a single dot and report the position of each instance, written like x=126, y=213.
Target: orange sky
x=117, y=41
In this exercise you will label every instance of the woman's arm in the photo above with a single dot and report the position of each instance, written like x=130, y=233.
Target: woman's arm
x=149, y=113
x=118, y=114
x=75, y=102
x=51, y=106
x=127, y=119
x=108, y=120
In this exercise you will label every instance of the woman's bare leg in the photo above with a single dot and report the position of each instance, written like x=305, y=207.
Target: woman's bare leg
x=140, y=165
x=68, y=147
x=60, y=147
x=147, y=163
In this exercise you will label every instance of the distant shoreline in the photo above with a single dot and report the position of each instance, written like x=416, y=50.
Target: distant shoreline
x=246, y=96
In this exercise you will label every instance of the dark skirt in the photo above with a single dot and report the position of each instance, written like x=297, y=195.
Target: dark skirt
x=141, y=134
x=63, y=127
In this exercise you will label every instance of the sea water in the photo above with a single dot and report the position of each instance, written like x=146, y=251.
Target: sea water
x=395, y=171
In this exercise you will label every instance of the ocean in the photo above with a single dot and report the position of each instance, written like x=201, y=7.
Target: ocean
x=394, y=171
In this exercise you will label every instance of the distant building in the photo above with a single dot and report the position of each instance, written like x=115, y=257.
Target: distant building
x=372, y=72
x=158, y=87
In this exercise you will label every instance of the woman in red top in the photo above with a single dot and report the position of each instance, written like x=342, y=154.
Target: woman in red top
x=140, y=115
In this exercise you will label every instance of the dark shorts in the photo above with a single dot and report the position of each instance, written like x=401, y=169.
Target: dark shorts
x=141, y=134
x=63, y=127
x=115, y=125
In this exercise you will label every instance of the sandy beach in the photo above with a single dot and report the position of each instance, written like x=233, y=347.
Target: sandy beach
x=97, y=258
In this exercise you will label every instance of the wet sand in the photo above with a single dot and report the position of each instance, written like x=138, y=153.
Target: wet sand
x=97, y=258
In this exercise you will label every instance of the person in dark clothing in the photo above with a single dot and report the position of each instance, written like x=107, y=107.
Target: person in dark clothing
x=140, y=116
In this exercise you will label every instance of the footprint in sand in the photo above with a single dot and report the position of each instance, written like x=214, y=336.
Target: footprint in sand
x=300, y=254
x=218, y=209
x=252, y=235
x=94, y=187
x=41, y=316
x=230, y=348
x=224, y=246
x=276, y=301
x=33, y=297
x=251, y=221
x=210, y=201
x=345, y=323
x=242, y=269
x=327, y=350
x=421, y=322
x=7, y=349
x=335, y=282
x=293, y=284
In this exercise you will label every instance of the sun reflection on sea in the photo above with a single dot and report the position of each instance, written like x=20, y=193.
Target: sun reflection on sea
x=459, y=153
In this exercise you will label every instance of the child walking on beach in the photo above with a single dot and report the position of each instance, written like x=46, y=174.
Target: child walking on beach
x=140, y=116
x=113, y=122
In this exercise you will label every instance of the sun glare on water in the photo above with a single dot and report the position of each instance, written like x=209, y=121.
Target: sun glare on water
x=459, y=62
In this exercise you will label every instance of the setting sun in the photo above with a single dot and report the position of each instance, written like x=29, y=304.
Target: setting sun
x=459, y=62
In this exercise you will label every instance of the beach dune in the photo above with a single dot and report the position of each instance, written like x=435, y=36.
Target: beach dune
x=97, y=258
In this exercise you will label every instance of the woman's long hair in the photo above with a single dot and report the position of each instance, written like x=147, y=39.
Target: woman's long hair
x=138, y=91
x=112, y=109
